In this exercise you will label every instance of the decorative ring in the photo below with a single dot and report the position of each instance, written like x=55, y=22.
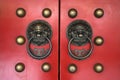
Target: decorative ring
x=80, y=58
x=31, y=53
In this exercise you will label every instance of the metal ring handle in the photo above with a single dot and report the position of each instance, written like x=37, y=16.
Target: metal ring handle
x=80, y=58
x=30, y=52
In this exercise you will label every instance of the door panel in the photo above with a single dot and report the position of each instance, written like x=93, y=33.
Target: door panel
x=103, y=63
x=15, y=62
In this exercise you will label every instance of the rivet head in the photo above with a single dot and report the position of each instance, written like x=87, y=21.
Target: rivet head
x=46, y=67
x=46, y=12
x=99, y=13
x=98, y=40
x=72, y=68
x=19, y=67
x=98, y=68
x=20, y=40
x=20, y=12
x=72, y=13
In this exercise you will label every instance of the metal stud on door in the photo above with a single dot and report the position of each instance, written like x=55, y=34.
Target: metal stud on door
x=89, y=40
x=29, y=37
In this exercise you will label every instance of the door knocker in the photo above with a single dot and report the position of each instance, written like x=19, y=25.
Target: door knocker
x=79, y=33
x=39, y=34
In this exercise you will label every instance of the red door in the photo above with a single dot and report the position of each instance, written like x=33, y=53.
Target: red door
x=59, y=40
x=90, y=40
x=29, y=40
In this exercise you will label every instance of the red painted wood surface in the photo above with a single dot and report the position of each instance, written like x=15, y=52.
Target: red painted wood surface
x=107, y=27
x=12, y=26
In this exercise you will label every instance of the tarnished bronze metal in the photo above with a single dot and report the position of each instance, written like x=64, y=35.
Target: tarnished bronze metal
x=72, y=68
x=98, y=68
x=46, y=67
x=72, y=13
x=38, y=28
x=99, y=13
x=19, y=67
x=20, y=40
x=98, y=40
x=79, y=29
x=20, y=12
x=46, y=12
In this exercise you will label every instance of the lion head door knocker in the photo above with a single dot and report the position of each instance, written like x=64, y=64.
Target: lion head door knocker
x=39, y=35
x=79, y=34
